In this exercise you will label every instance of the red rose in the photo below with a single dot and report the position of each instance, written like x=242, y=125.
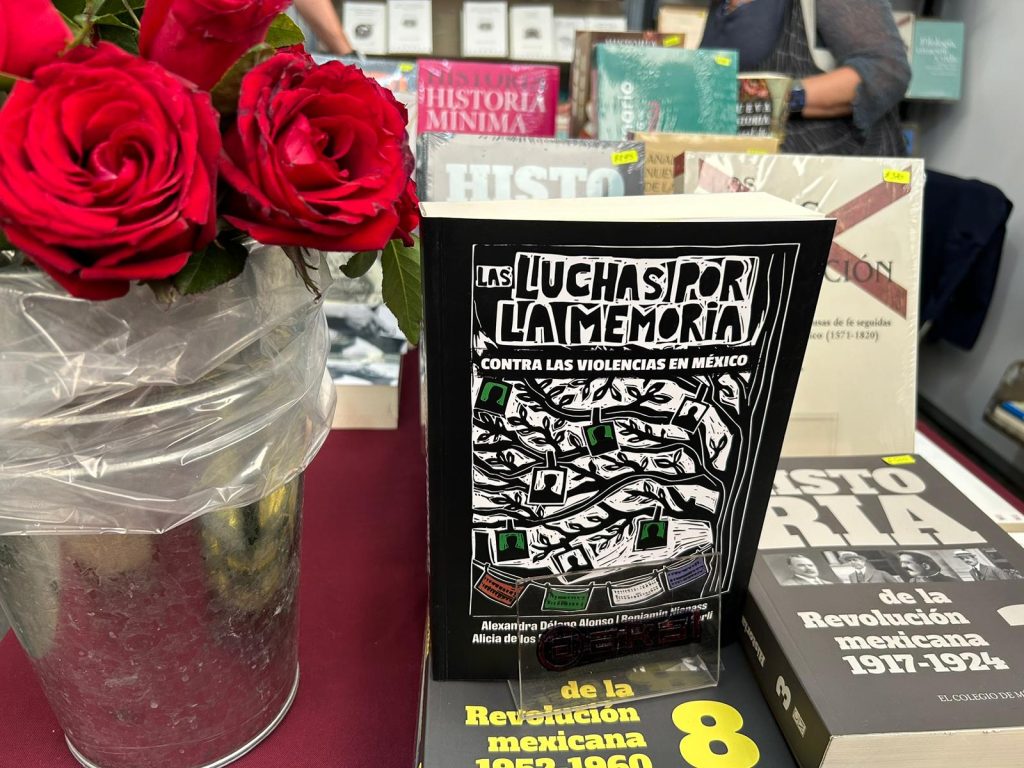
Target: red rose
x=318, y=157
x=107, y=170
x=201, y=39
x=32, y=33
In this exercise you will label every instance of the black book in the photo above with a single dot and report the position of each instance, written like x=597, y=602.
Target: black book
x=476, y=725
x=886, y=618
x=608, y=385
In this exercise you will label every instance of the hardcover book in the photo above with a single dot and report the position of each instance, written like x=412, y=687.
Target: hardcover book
x=885, y=617
x=476, y=724
x=566, y=28
x=937, y=60
x=410, y=26
x=531, y=32
x=858, y=388
x=454, y=168
x=491, y=99
x=485, y=28
x=582, y=110
x=763, y=105
x=671, y=90
x=600, y=368
x=367, y=23
x=665, y=161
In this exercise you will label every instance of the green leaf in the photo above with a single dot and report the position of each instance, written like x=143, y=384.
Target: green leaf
x=112, y=20
x=7, y=82
x=359, y=264
x=402, y=288
x=284, y=32
x=216, y=264
x=126, y=39
x=225, y=92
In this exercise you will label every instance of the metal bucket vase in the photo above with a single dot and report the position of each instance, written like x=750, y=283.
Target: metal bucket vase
x=171, y=650
x=151, y=465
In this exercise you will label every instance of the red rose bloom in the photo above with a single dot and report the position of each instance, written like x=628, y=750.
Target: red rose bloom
x=318, y=157
x=32, y=33
x=107, y=170
x=201, y=39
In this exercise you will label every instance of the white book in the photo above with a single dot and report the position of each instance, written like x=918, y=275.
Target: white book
x=410, y=26
x=367, y=26
x=565, y=36
x=531, y=32
x=485, y=28
x=607, y=23
x=858, y=384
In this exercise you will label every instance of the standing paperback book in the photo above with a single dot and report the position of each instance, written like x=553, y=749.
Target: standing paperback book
x=608, y=385
x=858, y=388
x=886, y=618
x=454, y=168
x=476, y=725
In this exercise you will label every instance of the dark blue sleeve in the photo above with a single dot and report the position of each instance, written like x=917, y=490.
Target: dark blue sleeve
x=862, y=34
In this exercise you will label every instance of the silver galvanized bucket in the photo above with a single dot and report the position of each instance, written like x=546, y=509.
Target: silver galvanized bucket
x=170, y=650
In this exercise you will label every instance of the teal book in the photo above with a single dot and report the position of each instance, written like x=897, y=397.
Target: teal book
x=673, y=90
x=938, y=60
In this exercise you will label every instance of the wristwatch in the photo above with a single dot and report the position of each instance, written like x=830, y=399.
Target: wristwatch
x=797, y=97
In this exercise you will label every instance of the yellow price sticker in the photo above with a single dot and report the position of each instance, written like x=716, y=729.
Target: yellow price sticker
x=896, y=177
x=624, y=157
x=405, y=66
x=723, y=61
x=757, y=151
x=671, y=40
x=896, y=461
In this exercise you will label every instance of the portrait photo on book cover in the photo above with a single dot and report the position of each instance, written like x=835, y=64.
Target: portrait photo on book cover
x=902, y=566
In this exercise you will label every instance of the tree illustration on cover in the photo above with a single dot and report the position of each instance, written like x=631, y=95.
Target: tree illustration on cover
x=595, y=473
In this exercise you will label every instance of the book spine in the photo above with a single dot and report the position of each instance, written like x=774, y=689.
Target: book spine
x=580, y=80
x=432, y=278
x=799, y=720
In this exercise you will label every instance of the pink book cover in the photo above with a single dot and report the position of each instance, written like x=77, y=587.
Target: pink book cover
x=489, y=99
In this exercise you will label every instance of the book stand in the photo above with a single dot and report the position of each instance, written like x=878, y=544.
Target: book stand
x=590, y=649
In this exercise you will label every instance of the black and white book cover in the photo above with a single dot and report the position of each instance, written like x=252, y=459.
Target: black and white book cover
x=886, y=617
x=459, y=167
x=599, y=370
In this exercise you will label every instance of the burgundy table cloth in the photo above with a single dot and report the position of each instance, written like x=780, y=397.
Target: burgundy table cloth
x=362, y=608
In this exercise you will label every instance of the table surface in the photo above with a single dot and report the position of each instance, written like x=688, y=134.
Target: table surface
x=363, y=605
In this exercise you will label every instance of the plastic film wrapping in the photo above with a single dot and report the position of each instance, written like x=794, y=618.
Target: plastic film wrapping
x=858, y=385
x=132, y=416
x=458, y=167
x=664, y=89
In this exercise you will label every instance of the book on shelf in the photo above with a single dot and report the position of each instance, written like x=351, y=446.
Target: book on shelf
x=531, y=32
x=664, y=89
x=857, y=391
x=593, y=364
x=477, y=724
x=365, y=355
x=937, y=60
x=367, y=24
x=485, y=28
x=905, y=24
x=885, y=617
x=665, y=160
x=607, y=23
x=410, y=26
x=762, y=107
x=458, y=167
x=683, y=20
x=487, y=98
x=565, y=31
x=582, y=84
